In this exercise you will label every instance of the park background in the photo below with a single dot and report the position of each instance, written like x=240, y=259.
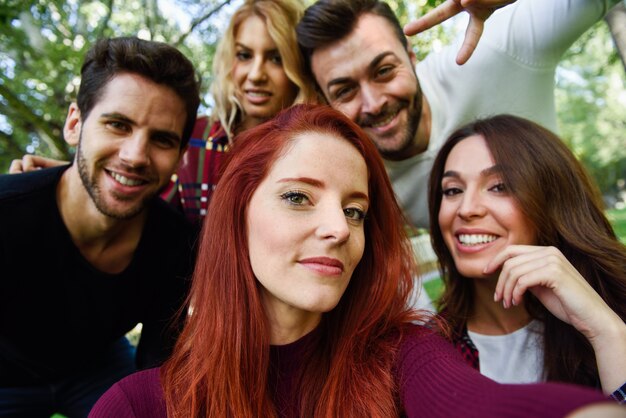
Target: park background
x=42, y=43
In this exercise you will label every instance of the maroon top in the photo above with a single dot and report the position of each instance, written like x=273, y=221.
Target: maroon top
x=433, y=379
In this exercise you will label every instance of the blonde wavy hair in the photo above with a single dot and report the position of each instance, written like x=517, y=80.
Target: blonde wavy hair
x=281, y=18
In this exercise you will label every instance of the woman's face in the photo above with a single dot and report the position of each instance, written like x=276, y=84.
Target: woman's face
x=306, y=227
x=478, y=217
x=262, y=86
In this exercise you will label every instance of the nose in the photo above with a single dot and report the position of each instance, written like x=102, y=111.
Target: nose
x=135, y=149
x=333, y=225
x=257, y=72
x=471, y=205
x=373, y=100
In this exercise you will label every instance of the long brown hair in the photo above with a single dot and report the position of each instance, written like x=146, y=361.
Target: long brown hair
x=554, y=192
x=221, y=361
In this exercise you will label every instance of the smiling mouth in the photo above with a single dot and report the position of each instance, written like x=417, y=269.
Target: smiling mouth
x=381, y=121
x=258, y=93
x=475, y=239
x=125, y=181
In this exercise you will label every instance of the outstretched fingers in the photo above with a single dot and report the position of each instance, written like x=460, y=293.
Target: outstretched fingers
x=437, y=15
x=472, y=35
x=479, y=11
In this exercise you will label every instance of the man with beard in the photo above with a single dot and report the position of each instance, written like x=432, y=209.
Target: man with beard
x=358, y=55
x=362, y=64
x=88, y=250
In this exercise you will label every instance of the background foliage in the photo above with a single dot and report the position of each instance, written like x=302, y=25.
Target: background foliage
x=42, y=43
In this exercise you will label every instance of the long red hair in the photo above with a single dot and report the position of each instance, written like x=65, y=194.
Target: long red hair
x=220, y=364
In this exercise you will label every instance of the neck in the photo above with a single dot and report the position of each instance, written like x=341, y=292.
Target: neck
x=105, y=242
x=289, y=324
x=491, y=318
x=248, y=123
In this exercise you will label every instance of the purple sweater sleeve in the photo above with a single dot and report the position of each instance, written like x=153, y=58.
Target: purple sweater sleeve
x=136, y=396
x=435, y=381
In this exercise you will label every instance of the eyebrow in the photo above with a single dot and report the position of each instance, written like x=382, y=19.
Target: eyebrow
x=316, y=183
x=244, y=46
x=123, y=118
x=117, y=116
x=373, y=64
x=494, y=169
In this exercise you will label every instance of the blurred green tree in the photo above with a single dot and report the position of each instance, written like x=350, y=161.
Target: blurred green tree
x=42, y=43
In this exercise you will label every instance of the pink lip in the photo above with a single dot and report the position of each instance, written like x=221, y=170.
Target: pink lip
x=257, y=100
x=323, y=265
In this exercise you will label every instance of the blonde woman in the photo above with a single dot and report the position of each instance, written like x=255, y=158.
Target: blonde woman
x=258, y=71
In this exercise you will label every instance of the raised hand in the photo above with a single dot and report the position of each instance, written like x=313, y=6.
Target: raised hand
x=547, y=274
x=479, y=11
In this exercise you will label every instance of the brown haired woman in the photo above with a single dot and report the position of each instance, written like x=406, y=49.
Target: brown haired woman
x=535, y=277
x=299, y=298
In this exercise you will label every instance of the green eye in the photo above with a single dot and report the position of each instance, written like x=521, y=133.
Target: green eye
x=295, y=198
x=354, y=213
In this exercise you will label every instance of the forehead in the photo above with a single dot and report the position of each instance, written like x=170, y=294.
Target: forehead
x=143, y=101
x=373, y=35
x=252, y=32
x=325, y=156
x=471, y=153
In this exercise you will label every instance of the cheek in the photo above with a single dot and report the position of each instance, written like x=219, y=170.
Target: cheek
x=404, y=84
x=285, y=86
x=445, y=220
x=238, y=73
x=266, y=237
x=350, y=109
x=446, y=215
x=520, y=227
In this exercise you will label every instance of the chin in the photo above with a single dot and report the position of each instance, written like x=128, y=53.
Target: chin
x=471, y=270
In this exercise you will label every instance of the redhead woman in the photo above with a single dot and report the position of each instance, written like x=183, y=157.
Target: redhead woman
x=299, y=298
x=535, y=277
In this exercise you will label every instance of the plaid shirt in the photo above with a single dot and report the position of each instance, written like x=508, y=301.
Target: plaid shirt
x=192, y=185
x=466, y=347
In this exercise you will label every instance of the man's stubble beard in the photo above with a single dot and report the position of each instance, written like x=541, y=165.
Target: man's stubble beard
x=94, y=191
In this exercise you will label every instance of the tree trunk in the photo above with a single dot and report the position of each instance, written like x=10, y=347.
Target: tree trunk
x=616, y=19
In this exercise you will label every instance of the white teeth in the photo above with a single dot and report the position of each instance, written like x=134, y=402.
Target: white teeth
x=385, y=121
x=125, y=180
x=475, y=239
x=258, y=94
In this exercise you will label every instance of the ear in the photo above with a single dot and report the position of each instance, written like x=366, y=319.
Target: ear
x=73, y=125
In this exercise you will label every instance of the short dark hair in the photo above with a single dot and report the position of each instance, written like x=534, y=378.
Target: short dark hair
x=156, y=61
x=327, y=21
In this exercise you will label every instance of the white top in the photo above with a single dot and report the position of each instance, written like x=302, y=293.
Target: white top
x=512, y=358
x=511, y=71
